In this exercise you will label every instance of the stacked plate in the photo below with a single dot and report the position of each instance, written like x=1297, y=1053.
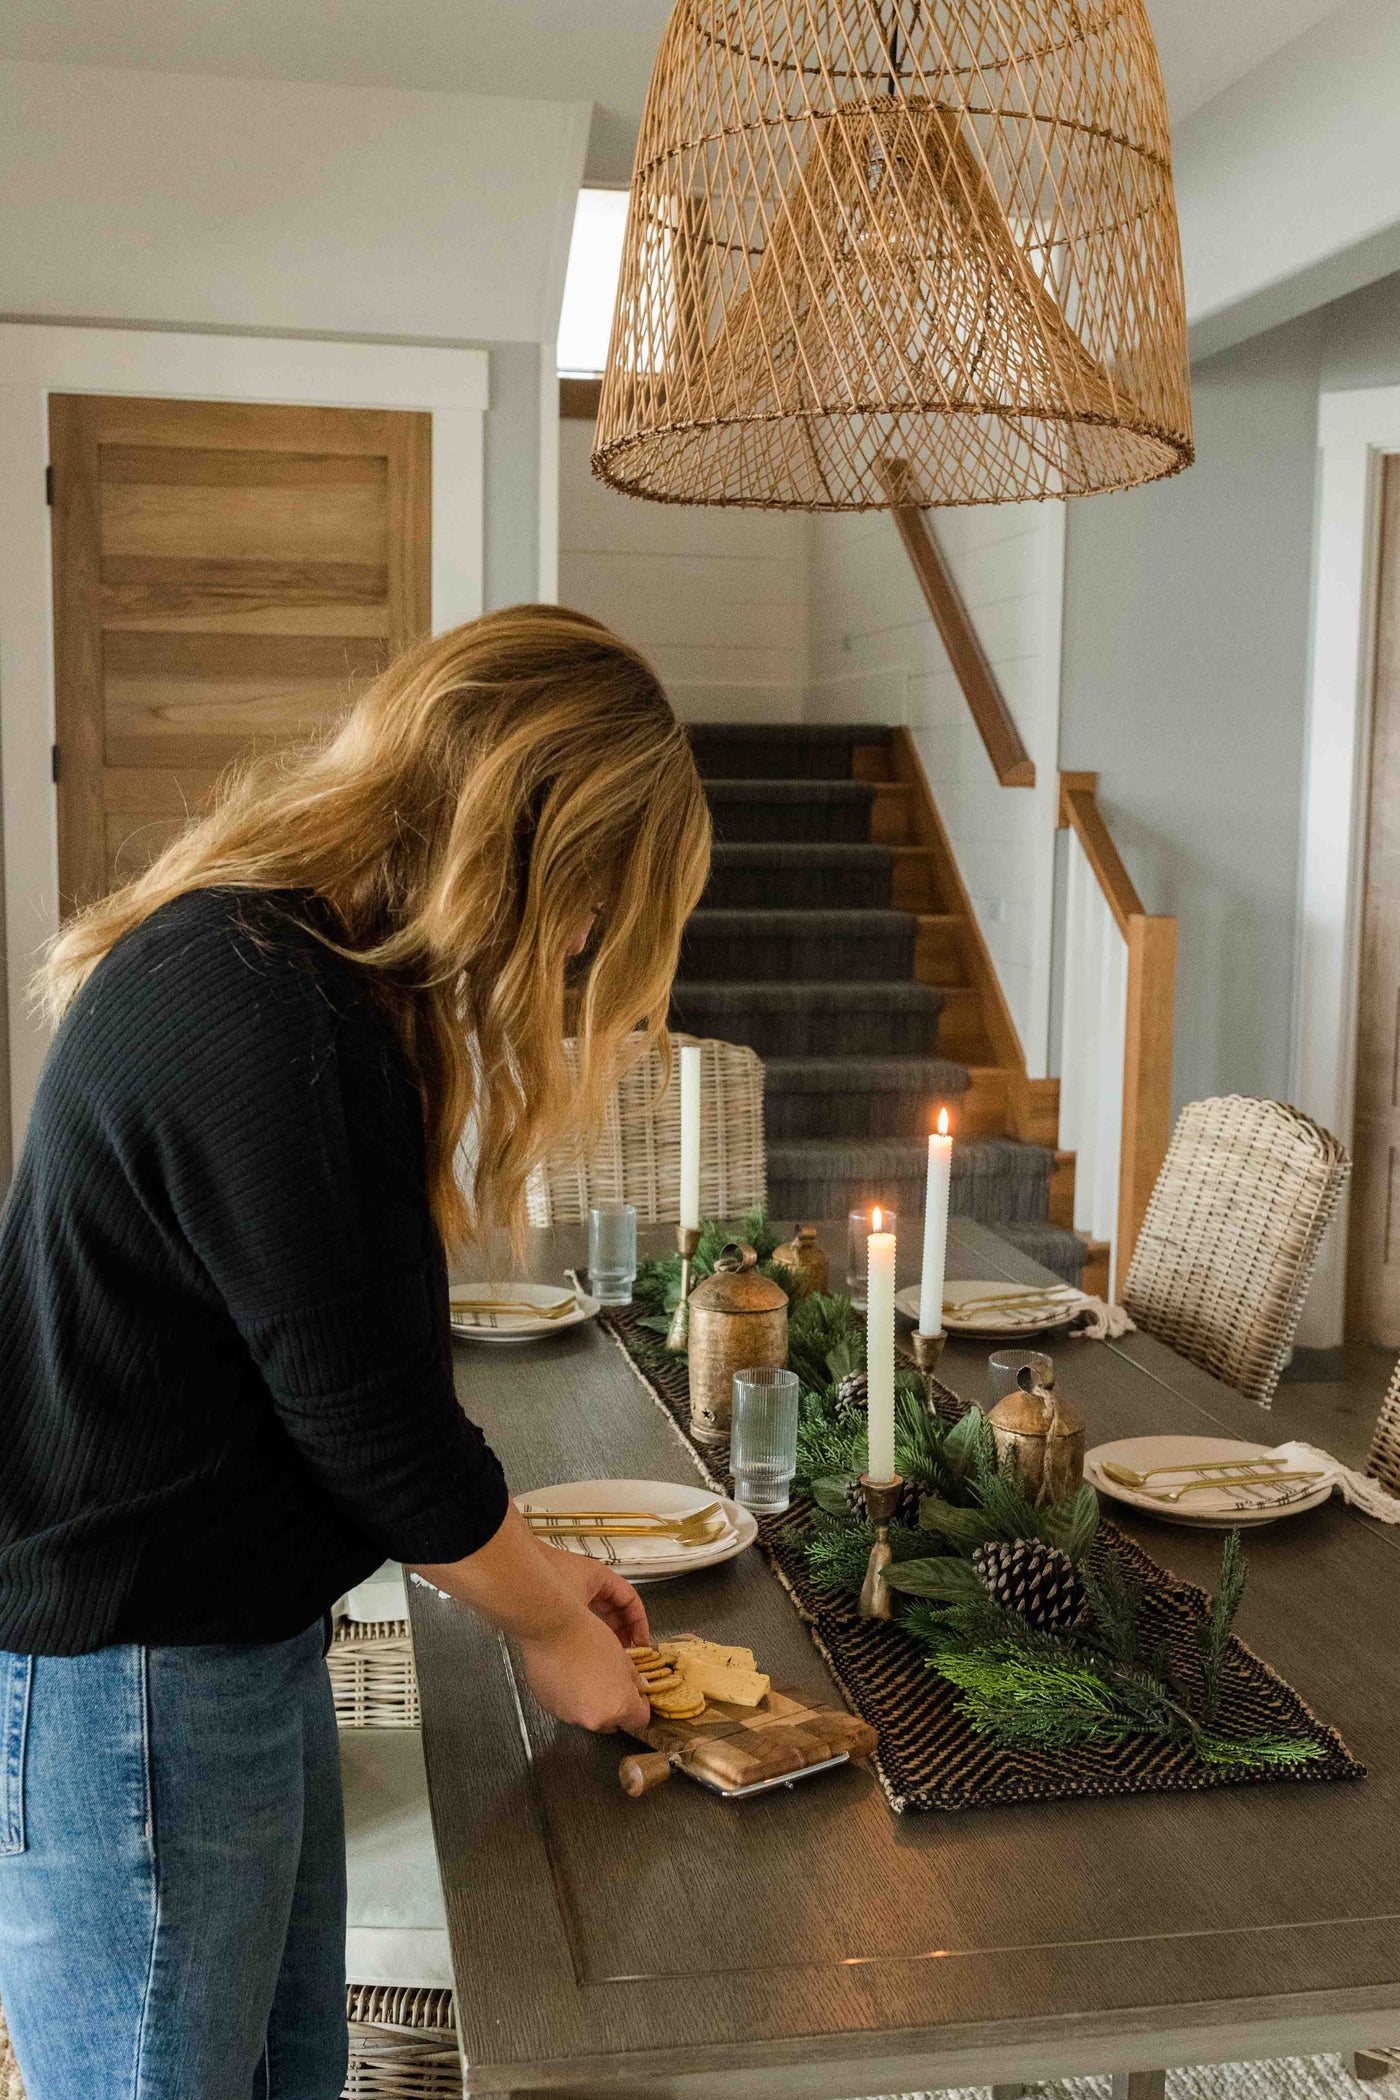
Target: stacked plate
x=644, y=1559
x=994, y=1310
x=515, y=1312
x=1210, y=1482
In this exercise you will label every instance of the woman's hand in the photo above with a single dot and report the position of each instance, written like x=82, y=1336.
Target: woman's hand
x=608, y=1595
x=583, y=1674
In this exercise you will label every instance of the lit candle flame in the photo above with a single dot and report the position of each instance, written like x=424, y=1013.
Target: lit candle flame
x=877, y=1219
x=943, y=1122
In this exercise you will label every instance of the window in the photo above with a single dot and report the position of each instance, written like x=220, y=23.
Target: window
x=590, y=286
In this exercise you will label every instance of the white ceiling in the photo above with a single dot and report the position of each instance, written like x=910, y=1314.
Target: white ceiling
x=598, y=49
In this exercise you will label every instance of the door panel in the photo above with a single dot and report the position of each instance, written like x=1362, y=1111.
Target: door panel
x=1373, y=1267
x=226, y=578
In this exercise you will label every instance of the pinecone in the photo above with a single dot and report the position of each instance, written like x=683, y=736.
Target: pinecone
x=910, y=1496
x=852, y=1394
x=1034, y=1579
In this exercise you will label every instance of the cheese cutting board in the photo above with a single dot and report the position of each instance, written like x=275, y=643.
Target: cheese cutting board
x=742, y=1750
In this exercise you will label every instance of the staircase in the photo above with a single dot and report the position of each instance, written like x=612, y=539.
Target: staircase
x=825, y=941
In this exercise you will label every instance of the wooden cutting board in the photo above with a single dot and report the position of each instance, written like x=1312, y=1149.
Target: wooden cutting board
x=733, y=1748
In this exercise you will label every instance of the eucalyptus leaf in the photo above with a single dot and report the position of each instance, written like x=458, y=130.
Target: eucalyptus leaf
x=830, y=1494
x=1071, y=1524
x=966, y=1527
x=946, y=1576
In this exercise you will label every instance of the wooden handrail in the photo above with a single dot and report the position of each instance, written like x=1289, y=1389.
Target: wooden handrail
x=1151, y=1000
x=1079, y=810
x=1011, y=762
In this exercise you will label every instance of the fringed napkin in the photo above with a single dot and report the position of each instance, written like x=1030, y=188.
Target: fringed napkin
x=1358, y=1489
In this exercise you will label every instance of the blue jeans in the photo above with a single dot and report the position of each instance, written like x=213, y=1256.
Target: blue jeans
x=172, y=1873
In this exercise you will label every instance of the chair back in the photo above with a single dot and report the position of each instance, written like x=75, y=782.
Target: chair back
x=1383, y=1458
x=1231, y=1236
x=637, y=1158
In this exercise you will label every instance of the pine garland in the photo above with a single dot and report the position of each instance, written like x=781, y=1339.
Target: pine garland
x=1016, y=1684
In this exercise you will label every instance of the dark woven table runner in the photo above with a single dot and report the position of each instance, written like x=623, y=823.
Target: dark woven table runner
x=930, y=1757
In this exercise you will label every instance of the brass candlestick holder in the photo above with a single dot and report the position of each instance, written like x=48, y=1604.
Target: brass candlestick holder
x=881, y=1502
x=678, y=1334
x=928, y=1349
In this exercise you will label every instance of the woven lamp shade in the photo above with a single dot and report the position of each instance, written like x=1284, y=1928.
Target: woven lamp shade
x=915, y=251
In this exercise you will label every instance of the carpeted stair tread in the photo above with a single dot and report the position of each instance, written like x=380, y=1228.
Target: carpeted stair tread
x=788, y=812
x=798, y=946
x=1053, y=1246
x=779, y=751
x=818, y=1019
x=857, y=1097
x=800, y=877
x=995, y=1180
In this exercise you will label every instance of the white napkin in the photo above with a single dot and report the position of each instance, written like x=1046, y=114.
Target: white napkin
x=1358, y=1489
x=1098, y=1321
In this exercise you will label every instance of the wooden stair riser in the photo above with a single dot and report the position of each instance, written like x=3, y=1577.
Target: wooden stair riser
x=870, y=762
x=914, y=880
x=1061, y=1205
x=962, y=1033
x=891, y=814
x=940, y=950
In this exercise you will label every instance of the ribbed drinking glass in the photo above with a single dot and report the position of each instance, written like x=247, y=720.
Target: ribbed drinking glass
x=763, y=1439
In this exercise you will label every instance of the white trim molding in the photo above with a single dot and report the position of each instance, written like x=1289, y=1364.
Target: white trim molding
x=1356, y=430
x=451, y=385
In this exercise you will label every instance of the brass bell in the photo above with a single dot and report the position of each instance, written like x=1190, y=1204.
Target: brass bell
x=805, y=1262
x=738, y=1322
x=1040, y=1438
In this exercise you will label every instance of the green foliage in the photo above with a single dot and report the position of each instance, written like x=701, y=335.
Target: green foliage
x=838, y=1554
x=1073, y=1524
x=1219, y=1622
x=825, y=1340
x=946, y=1576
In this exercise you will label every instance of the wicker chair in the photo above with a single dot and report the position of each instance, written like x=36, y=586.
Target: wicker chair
x=1383, y=1458
x=11, y=2087
x=373, y=1679
x=638, y=1157
x=1231, y=1237
x=403, y=2044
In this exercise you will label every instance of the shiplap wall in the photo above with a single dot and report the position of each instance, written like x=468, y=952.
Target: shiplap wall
x=718, y=599
x=876, y=656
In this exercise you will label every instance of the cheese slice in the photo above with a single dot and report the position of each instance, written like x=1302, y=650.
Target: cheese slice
x=727, y=1681
x=690, y=1644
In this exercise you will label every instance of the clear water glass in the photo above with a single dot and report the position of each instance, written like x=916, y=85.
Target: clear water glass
x=858, y=1231
x=612, y=1252
x=1004, y=1367
x=763, y=1439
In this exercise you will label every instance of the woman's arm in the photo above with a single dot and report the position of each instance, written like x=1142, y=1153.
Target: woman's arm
x=569, y=1627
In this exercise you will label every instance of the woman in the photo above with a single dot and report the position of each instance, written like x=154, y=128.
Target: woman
x=225, y=1368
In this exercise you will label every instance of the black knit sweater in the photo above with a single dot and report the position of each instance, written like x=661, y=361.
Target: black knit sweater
x=225, y=1365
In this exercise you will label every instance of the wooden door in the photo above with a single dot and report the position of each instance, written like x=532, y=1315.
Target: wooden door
x=1373, y=1267
x=226, y=576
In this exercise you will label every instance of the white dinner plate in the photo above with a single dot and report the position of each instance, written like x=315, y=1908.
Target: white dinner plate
x=662, y=1498
x=524, y=1325
x=1056, y=1306
x=1217, y=1509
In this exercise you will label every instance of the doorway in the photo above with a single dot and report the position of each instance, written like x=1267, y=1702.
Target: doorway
x=1373, y=1262
x=227, y=576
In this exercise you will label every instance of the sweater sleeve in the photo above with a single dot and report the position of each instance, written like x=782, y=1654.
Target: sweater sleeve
x=286, y=1137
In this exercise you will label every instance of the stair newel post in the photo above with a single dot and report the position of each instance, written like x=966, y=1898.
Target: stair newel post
x=678, y=1334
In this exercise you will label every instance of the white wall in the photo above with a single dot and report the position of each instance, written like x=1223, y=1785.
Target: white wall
x=1288, y=183
x=876, y=654
x=278, y=205
x=718, y=599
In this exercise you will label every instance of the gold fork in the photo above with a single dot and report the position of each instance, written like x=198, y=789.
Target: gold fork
x=1243, y=1481
x=692, y=1529
x=1130, y=1478
x=512, y=1305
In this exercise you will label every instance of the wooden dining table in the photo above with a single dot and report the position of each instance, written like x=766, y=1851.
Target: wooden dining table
x=810, y=1943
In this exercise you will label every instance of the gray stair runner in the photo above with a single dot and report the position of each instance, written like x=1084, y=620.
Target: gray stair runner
x=799, y=877
x=799, y=946
x=784, y=812
x=797, y=952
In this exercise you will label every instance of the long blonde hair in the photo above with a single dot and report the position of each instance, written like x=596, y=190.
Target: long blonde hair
x=486, y=793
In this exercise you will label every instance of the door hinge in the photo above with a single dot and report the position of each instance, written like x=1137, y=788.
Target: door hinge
x=54, y=763
x=48, y=486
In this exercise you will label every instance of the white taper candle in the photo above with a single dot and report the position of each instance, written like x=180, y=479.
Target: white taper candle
x=690, y=1135
x=879, y=1350
x=940, y=1170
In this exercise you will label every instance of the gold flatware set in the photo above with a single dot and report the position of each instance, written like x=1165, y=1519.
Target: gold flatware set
x=1251, y=1476
x=697, y=1528
x=521, y=1307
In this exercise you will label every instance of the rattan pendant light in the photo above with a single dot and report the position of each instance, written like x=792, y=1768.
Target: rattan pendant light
x=916, y=250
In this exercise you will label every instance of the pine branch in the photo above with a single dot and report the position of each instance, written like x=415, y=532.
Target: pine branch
x=1219, y=1622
